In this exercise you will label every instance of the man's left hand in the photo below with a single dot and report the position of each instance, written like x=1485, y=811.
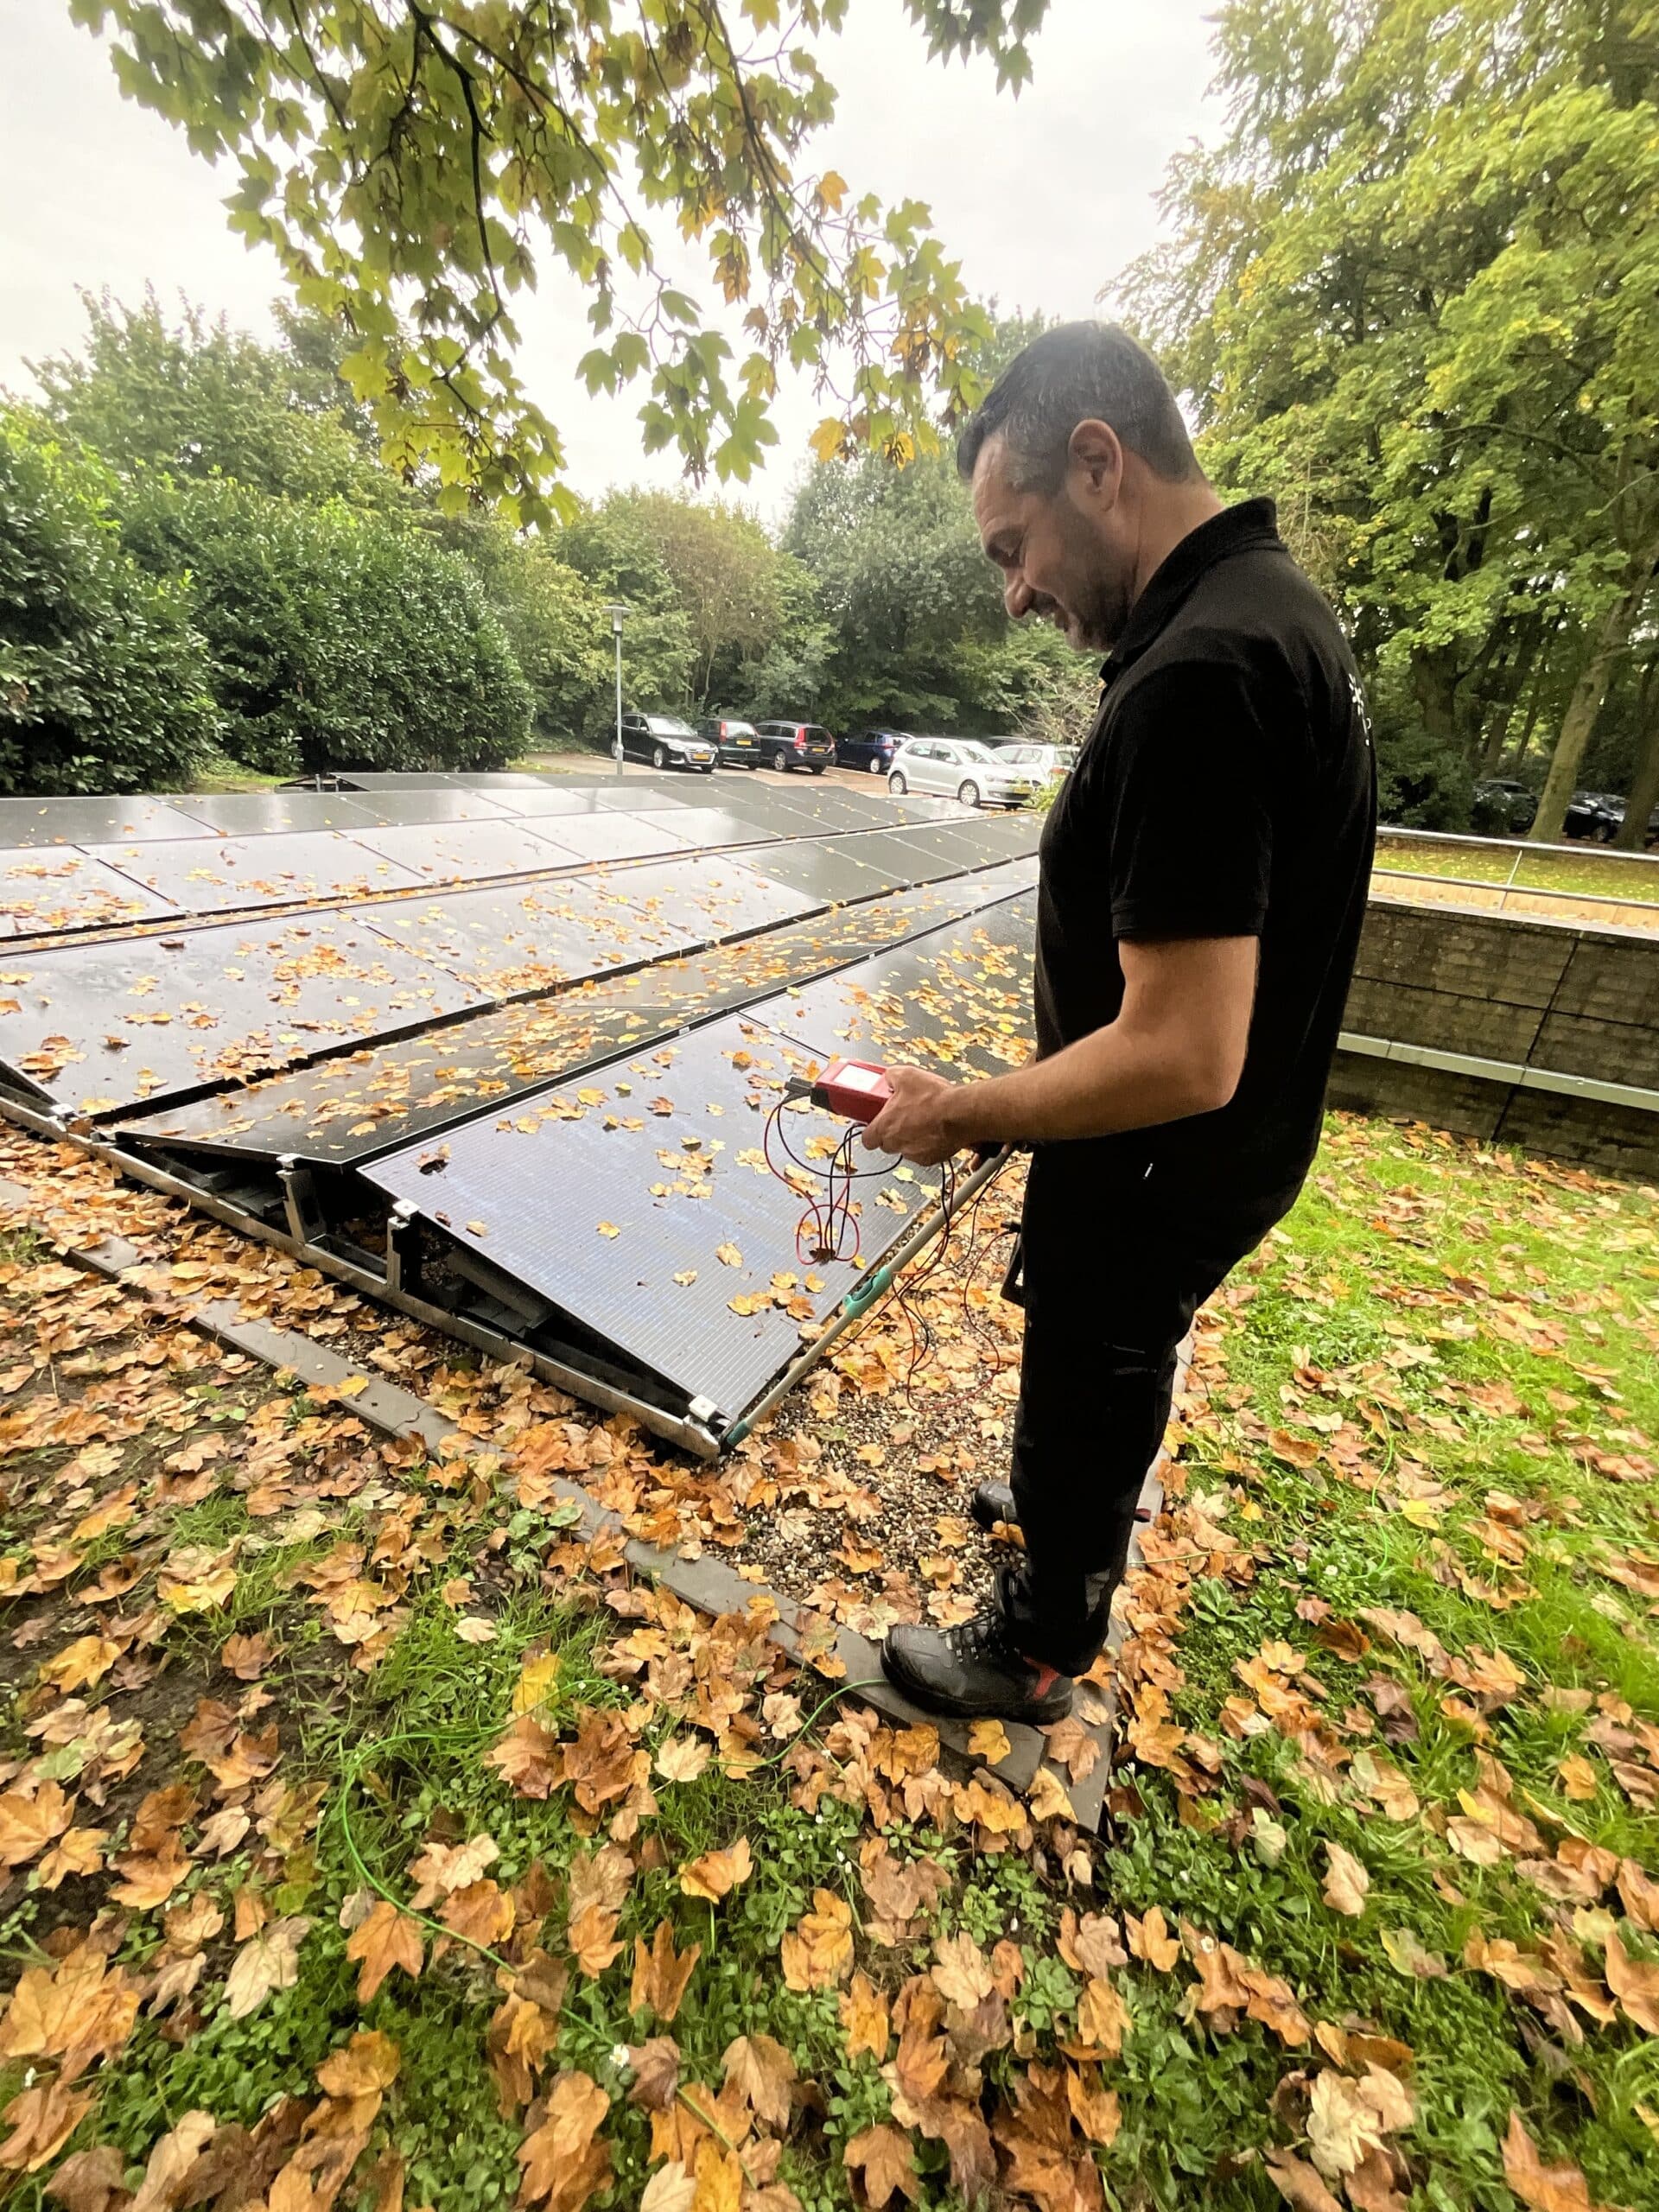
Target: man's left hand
x=913, y=1123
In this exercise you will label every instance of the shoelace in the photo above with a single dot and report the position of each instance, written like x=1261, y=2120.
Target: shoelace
x=984, y=1637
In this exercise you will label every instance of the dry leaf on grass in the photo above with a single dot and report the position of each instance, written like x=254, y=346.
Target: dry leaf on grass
x=661, y=1972
x=817, y=1951
x=563, y=2162
x=362, y=2067
x=1541, y=2188
x=881, y=2159
x=760, y=2071
x=1346, y=1881
x=1150, y=1939
x=271, y=1961
x=386, y=1939
x=864, y=2018
x=717, y=1873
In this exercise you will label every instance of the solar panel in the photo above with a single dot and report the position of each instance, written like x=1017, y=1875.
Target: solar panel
x=552, y=799
x=827, y=870
x=644, y=1211
x=643, y=794
x=612, y=836
x=518, y=937
x=957, y=1000
x=243, y=814
x=45, y=889
x=433, y=804
x=718, y=825
x=206, y=876
x=91, y=821
x=348, y=1108
x=463, y=852
x=696, y=900
x=430, y=779
x=95, y=1028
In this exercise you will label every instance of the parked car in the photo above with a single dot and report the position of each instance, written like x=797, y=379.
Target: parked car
x=1053, y=762
x=788, y=745
x=1619, y=808
x=871, y=748
x=1595, y=815
x=1502, y=808
x=665, y=741
x=961, y=768
x=737, y=745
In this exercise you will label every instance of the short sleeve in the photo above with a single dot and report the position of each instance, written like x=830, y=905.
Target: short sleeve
x=1193, y=770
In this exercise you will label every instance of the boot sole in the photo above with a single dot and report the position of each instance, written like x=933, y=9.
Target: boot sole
x=1034, y=1712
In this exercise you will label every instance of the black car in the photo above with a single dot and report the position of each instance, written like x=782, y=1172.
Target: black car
x=870, y=748
x=1502, y=808
x=666, y=742
x=737, y=745
x=788, y=745
x=1598, y=816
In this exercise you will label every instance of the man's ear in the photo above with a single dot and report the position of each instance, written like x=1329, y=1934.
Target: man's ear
x=1094, y=452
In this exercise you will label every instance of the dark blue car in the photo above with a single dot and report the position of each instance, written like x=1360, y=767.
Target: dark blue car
x=869, y=748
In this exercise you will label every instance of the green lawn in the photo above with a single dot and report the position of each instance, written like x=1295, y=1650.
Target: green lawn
x=662, y=1924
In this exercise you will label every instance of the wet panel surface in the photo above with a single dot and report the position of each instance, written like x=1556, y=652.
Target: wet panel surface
x=45, y=889
x=206, y=876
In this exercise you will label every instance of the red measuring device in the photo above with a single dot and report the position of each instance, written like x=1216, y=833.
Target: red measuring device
x=855, y=1090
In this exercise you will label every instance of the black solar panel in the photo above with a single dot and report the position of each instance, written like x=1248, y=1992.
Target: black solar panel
x=639, y=1204
x=45, y=889
x=97, y=1027
x=646, y=794
x=613, y=836
x=348, y=1108
x=243, y=814
x=826, y=869
x=202, y=876
x=91, y=820
x=464, y=852
x=517, y=937
x=674, y=905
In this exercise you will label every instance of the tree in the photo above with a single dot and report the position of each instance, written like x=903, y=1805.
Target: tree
x=421, y=159
x=726, y=575
x=198, y=398
x=612, y=548
x=103, y=679
x=338, y=639
x=555, y=622
x=1412, y=291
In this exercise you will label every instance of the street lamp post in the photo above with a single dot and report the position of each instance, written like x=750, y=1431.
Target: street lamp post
x=617, y=615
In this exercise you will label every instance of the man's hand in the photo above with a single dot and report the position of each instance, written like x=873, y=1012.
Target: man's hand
x=919, y=1121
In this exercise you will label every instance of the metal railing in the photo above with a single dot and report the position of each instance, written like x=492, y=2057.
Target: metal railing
x=1643, y=872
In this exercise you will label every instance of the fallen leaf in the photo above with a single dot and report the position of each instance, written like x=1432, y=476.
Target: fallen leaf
x=817, y=1951
x=41, y=2120
x=362, y=2067
x=988, y=1740
x=170, y=2161
x=1346, y=1881
x=268, y=1962
x=760, y=2071
x=717, y=1872
x=386, y=1939
x=660, y=1974
x=881, y=2157
x=1543, y=2188
x=592, y=1938
x=563, y=2163
x=960, y=1972
x=1297, y=2181
x=1635, y=1982
x=864, y=2018
x=682, y=1758
x=1150, y=1940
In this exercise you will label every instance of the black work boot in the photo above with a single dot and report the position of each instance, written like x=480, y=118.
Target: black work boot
x=975, y=1671
x=994, y=1502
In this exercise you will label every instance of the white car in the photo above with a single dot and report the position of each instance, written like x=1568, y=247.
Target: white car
x=960, y=767
x=1053, y=762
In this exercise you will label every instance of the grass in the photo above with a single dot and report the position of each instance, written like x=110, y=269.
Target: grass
x=1589, y=876
x=1433, y=1392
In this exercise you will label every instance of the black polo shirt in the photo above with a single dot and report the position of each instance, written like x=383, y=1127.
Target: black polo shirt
x=1227, y=789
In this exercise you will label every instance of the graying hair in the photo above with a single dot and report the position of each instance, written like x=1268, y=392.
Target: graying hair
x=1078, y=372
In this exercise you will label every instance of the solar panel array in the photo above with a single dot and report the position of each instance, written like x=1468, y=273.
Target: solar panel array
x=506, y=1047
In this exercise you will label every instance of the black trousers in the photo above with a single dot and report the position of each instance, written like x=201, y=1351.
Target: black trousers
x=1110, y=1267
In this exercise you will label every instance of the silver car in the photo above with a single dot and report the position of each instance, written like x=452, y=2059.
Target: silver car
x=960, y=767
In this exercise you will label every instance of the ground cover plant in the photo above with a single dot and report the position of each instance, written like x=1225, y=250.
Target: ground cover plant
x=371, y=1842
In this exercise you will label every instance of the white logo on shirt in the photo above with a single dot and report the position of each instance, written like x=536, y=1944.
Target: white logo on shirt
x=1360, y=708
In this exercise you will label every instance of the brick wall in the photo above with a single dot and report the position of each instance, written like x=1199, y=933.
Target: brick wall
x=1565, y=997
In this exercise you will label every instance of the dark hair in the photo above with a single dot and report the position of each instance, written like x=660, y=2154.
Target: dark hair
x=1079, y=372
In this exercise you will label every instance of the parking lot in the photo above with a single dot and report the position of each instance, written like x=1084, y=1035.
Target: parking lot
x=583, y=764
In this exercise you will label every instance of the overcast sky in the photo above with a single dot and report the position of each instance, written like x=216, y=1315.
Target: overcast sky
x=1042, y=198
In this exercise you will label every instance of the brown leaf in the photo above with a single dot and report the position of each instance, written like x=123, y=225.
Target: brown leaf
x=73, y=2011
x=592, y=1938
x=269, y=1961
x=670, y=2189
x=246, y=1656
x=41, y=2120
x=362, y=2067
x=1635, y=1982
x=563, y=2161
x=1639, y=1896
x=1095, y=2108
x=717, y=1873
x=760, y=2071
x=386, y=1939
x=817, y=1951
x=601, y=1877
x=1150, y=1939
x=901, y=1895
x=655, y=2065
x=660, y=1974
x=1102, y=2022
x=90, y=2180
x=880, y=2158
x=682, y=1758
x=482, y=1913
x=27, y=1823
x=1541, y=2188
x=170, y=2163
x=962, y=1974
x=530, y=1757
x=1346, y=1881
x=1298, y=2183
x=864, y=2018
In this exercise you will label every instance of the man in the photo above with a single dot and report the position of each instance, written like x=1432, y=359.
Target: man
x=1202, y=882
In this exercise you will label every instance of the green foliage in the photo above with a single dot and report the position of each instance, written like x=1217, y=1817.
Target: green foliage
x=104, y=684
x=338, y=639
x=554, y=618
x=201, y=399
x=1412, y=292
x=397, y=160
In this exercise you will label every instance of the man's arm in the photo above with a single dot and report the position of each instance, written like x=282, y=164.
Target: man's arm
x=1176, y=1048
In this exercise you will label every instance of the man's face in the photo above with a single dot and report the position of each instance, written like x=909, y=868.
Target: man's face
x=1066, y=557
